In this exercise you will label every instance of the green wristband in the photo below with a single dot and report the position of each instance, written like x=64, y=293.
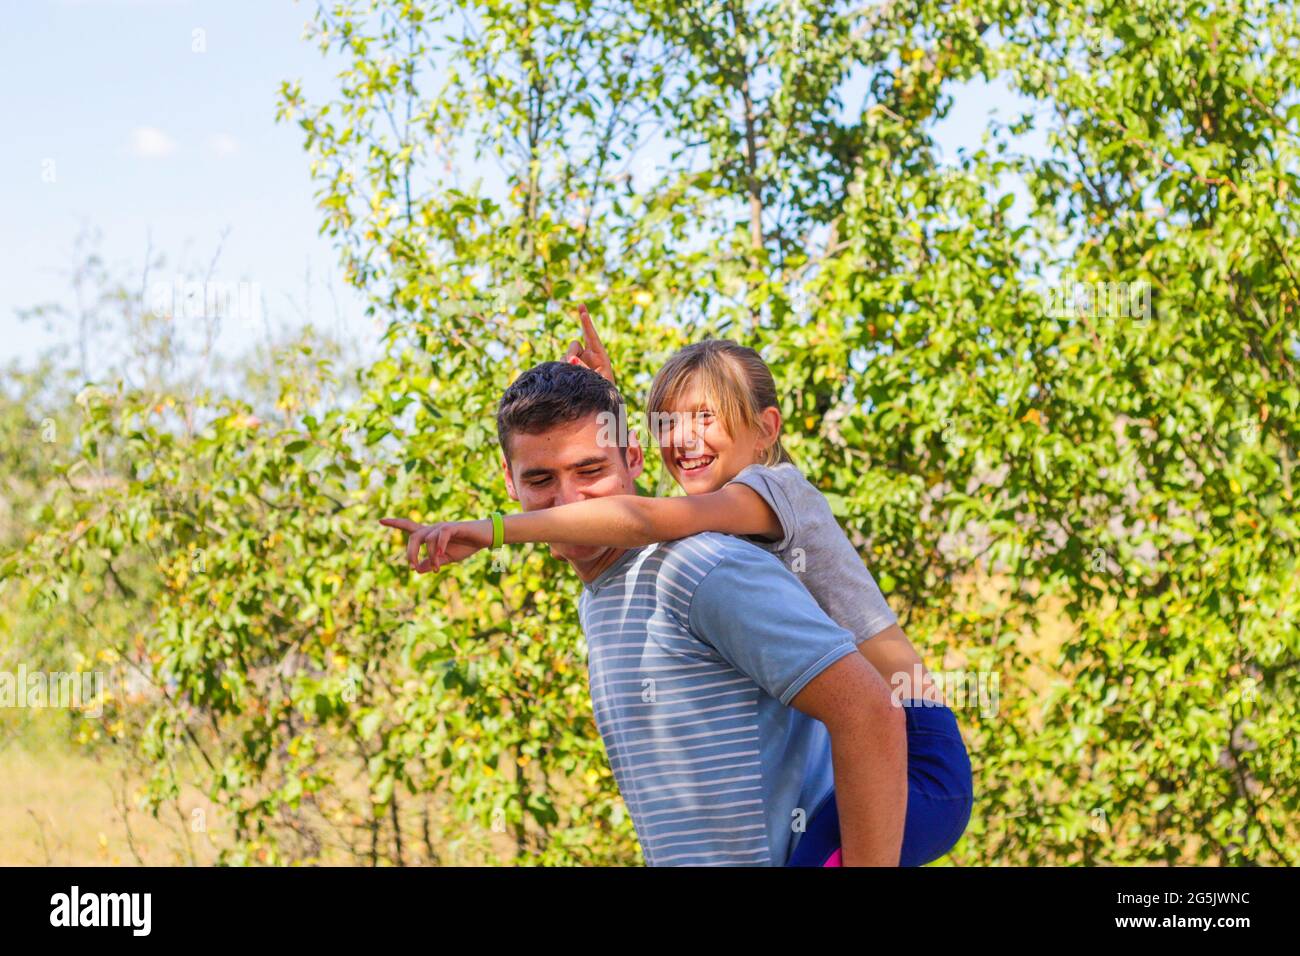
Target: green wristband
x=498, y=530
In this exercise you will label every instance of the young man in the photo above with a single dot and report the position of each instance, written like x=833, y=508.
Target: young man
x=728, y=702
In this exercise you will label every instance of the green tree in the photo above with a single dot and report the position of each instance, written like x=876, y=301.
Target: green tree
x=1034, y=390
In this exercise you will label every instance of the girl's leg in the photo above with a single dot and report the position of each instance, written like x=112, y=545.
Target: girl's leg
x=939, y=795
x=821, y=840
x=939, y=786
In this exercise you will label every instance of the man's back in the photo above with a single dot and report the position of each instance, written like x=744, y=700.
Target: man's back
x=696, y=648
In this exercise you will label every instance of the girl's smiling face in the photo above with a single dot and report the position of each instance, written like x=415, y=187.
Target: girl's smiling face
x=696, y=447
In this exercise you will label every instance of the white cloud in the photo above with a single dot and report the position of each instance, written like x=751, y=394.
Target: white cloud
x=150, y=143
x=223, y=144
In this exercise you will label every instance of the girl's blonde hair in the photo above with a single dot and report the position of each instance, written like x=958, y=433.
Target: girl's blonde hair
x=734, y=380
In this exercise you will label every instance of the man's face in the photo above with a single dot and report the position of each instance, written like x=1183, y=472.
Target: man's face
x=571, y=463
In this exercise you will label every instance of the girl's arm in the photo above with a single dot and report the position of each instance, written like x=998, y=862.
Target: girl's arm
x=631, y=521
x=617, y=521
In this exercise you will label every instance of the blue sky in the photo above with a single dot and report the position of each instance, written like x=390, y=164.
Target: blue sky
x=114, y=121
x=153, y=142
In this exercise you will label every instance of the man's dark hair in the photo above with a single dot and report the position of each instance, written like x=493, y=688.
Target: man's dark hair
x=556, y=393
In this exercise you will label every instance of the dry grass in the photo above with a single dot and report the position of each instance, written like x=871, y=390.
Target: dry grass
x=64, y=807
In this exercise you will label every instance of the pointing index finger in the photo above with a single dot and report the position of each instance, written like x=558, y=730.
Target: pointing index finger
x=589, y=331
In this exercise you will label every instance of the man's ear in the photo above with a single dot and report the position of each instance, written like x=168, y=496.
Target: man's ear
x=635, y=456
x=510, y=481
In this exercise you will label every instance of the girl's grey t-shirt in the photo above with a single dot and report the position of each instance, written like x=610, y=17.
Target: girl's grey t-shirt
x=815, y=548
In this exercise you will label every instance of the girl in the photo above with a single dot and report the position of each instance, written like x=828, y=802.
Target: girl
x=714, y=411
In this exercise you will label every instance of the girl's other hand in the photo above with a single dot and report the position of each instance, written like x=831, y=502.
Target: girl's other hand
x=590, y=352
x=445, y=542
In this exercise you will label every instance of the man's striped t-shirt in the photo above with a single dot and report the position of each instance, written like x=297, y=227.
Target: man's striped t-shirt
x=695, y=649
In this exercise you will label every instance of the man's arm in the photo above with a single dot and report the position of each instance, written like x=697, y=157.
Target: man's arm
x=757, y=615
x=869, y=757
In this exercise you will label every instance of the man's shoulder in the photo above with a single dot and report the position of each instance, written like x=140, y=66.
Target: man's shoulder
x=688, y=561
x=714, y=544
x=692, y=557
